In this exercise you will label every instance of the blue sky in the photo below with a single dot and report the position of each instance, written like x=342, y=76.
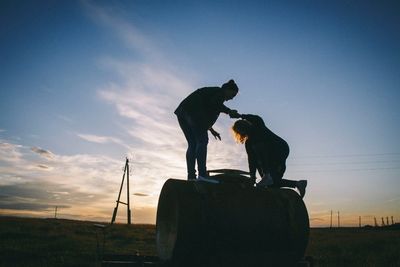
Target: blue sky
x=83, y=84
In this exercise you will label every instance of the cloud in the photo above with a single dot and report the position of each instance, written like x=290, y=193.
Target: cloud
x=65, y=118
x=43, y=196
x=145, y=93
x=28, y=206
x=317, y=219
x=111, y=17
x=396, y=199
x=43, y=176
x=42, y=152
x=9, y=152
x=42, y=166
x=99, y=139
x=141, y=195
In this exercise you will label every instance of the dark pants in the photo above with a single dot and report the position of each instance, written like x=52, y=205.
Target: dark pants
x=277, y=172
x=197, y=140
x=276, y=162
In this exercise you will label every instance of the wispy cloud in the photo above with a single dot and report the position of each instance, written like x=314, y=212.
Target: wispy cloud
x=65, y=118
x=317, y=219
x=9, y=152
x=99, y=139
x=145, y=93
x=111, y=17
x=395, y=199
x=38, y=180
x=42, y=152
x=42, y=166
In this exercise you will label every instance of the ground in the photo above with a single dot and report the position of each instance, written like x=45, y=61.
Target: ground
x=57, y=242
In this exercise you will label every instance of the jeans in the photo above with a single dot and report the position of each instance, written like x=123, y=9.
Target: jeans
x=197, y=139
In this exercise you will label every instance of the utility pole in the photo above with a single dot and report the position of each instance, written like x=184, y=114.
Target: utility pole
x=376, y=224
x=338, y=219
x=359, y=221
x=55, y=213
x=383, y=222
x=392, y=220
x=126, y=171
x=387, y=220
x=331, y=219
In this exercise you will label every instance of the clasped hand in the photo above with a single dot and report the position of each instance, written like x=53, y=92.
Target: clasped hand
x=233, y=114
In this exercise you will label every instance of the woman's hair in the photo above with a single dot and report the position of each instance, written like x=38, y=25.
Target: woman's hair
x=240, y=130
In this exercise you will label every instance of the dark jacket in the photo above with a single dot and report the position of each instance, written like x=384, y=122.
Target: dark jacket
x=203, y=106
x=266, y=151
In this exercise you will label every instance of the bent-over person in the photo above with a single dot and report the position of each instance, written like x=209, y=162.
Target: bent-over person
x=266, y=152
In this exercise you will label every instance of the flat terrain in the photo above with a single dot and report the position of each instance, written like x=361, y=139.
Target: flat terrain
x=50, y=242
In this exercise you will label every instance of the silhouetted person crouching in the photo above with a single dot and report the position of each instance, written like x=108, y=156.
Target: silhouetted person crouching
x=196, y=115
x=266, y=152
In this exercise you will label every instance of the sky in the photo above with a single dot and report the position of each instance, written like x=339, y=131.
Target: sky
x=85, y=84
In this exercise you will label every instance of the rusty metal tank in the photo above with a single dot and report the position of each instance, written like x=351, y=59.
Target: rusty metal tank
x=231, y=223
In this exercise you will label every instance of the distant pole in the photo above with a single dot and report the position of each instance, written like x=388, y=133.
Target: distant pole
x=383, y=222
x=387, y=220
x=376, y=224
x=55, y=213
x=392, y=220
x=331, y=219
x=338, y=219
x=127, y=181
x=126, y=172
x=359, y=221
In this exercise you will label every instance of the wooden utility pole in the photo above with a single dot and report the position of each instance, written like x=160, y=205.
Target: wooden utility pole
x=126, y=171
x=383, y=222
x=338, y=219
x=392, y=220
x=376, y=224
x=331, y=219
x=387, y=220
x=359, y=221
x=55, y=213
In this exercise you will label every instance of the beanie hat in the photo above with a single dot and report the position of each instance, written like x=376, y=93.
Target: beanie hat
x=231, y=85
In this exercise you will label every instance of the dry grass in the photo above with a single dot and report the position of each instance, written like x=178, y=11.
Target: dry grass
x=355, y=247
x=49, y=242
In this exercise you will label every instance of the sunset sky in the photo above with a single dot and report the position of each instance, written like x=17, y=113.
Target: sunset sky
x=84, y=84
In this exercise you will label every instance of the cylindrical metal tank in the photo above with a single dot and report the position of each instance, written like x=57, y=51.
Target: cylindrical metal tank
x=230, y=224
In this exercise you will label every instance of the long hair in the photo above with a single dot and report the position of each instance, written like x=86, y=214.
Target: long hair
x=240, y=130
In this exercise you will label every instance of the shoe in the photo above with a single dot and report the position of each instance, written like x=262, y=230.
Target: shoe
x=265, y=181
x=207, y=179
x=301, y=186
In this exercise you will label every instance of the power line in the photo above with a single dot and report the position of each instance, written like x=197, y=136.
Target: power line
x=349, y=170
x=344, y=163
x=348, y=155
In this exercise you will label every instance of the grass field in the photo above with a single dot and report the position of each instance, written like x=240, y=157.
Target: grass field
x=50, y=242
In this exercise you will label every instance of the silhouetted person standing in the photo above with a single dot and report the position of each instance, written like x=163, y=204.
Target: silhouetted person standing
x=196, y=115
x=266, y=152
